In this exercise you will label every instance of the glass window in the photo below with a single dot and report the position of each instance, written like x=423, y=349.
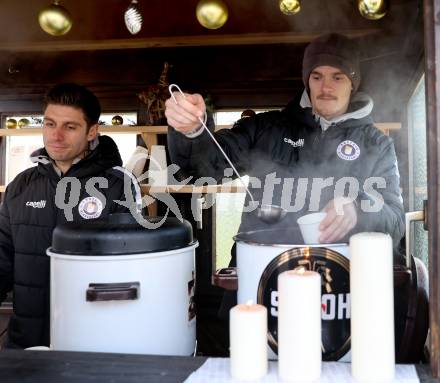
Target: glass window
x=19, y=148
x=126, y=141
x=228, y=217
x=118, y=119
x=18, y=151
x=418, y=166
x=226, y=117
x=229, y=206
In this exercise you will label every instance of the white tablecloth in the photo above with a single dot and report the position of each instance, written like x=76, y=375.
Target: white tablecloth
x=216, y=370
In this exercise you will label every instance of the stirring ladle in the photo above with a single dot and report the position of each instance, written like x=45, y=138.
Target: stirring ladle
x=267, y=213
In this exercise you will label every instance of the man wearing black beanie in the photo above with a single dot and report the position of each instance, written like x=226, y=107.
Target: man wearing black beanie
x=325, y=135
x=320, y=153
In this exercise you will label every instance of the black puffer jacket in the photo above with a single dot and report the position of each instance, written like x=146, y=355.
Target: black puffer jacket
x=28, y=216
x=297, y=164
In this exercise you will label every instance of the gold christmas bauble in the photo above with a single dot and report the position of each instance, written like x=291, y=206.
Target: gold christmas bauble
x=212, y=14
x=373, y=9
x=11, y=123
x=290, y=7
x=55, y=19
x=22, y=122
x=117, y=120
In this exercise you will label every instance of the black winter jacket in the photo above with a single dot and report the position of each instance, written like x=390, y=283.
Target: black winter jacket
x=291, y=145
x=28, y=216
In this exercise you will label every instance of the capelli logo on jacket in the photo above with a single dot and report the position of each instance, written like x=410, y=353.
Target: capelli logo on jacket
x=296, y=144
x=36, y=204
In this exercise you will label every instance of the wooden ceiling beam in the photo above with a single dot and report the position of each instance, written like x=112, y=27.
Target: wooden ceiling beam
x=174, y=41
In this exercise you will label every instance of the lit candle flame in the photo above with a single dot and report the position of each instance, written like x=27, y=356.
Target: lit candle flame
x=306, y=252
x=250, y=302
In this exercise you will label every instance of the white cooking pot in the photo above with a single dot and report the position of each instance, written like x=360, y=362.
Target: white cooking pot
x=262, y=255
x=118, y=287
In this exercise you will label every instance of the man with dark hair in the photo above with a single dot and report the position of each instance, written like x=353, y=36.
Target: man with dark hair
x=78, y=177
x=76, y=96
x=323, y=142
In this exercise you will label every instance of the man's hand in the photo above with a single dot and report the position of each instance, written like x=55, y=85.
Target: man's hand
x=340, y=219
x=184, y=115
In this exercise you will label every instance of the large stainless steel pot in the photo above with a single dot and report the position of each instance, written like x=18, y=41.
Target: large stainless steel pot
x=118, y=287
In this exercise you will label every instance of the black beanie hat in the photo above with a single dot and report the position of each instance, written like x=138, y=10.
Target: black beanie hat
x=333, y=50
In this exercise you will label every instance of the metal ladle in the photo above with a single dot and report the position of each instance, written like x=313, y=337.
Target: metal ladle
x=267, y=213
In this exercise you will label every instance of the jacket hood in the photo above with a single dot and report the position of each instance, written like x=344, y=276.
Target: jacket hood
x=104, y=154
x=359, y=111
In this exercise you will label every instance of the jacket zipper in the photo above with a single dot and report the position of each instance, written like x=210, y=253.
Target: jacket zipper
x=320, y=135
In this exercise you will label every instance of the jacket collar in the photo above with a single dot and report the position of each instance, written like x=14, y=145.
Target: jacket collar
x=40, y=156
x=360, y=106
x=103, y=154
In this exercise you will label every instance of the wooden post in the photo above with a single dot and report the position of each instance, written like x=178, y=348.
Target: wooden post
x=432, y=73
x=150, y=139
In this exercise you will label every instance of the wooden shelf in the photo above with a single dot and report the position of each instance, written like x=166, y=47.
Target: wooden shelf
x=388, y=126
x=120, y=129
x=152, y=129
x=211, y=189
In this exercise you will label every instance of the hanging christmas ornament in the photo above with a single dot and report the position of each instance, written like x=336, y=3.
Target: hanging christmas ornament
x=133, y=18
x=290, y=7
x=23, y=122
x=117, y=120
x=373, y=9
x=11, y=123
x=55, y=19
x=212, y=14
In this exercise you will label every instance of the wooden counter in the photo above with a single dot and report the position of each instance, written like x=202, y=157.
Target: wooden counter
x=17, y=366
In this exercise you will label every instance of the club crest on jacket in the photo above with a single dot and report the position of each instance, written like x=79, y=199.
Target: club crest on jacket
x=348, y=150
x=90, y=207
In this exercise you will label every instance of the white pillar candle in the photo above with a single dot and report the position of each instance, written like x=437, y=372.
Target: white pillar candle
x=299, y=326
x=248, y=341
x=372, y=307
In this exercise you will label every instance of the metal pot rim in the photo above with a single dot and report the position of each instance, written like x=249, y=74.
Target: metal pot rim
x=237, y=239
